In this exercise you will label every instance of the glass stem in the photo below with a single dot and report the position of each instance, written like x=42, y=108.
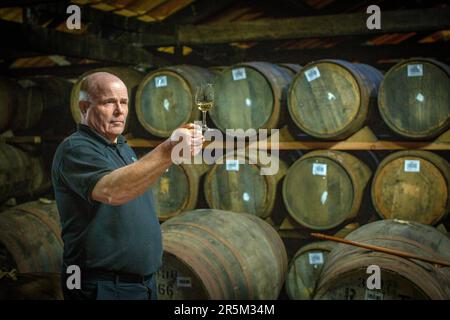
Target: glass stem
x=204, y=120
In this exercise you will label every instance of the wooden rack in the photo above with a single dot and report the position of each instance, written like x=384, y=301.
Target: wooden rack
x=362, y=140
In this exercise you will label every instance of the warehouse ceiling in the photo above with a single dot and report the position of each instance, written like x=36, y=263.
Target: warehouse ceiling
x=154, y=33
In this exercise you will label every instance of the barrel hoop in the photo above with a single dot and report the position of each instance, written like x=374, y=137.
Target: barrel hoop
x=43, y=216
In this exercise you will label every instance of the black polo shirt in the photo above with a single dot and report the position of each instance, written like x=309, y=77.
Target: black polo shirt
x=124, y=238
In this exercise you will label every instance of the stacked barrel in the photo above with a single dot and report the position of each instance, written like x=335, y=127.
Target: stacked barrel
x=31, y=251
x=332, y=99
x=229, y=248
x=344, y=274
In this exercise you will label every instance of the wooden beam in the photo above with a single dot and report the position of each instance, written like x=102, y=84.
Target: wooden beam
x=60, y=71
x=102, y=18
x=39, y=39
x=318, y=26
x=25, y=3
x=198, y=11
x=11, y=53
x=364, y=54
x=302, y=8
x=313, y=145
x=360, y=53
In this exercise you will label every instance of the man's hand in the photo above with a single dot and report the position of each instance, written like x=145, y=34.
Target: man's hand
x=191, y=136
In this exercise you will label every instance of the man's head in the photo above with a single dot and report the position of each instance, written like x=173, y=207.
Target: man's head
x=103, y=104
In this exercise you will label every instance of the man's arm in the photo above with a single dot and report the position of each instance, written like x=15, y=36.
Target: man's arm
x=126, y=183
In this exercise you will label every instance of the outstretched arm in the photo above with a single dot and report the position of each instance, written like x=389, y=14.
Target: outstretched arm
x=129, y=182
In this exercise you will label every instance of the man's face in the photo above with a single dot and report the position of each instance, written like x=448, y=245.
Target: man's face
x=108, y=108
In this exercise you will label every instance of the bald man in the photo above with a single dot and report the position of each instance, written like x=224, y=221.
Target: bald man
x=109, y=225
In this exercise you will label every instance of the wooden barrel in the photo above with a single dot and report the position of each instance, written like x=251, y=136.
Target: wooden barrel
x=323, y=189
x=165, y=98
x=217, y=69
x=220, y=255
x=177, y=190
x=305, y=268
x=129, y=76
x=291, y=67
x=57, y=117
x=29, y=109
x=31, y=286
x=37, y=103
x=414, y=98
x=331, y=99
x=412, y=185
x=250, y=95
x=10, y=91
x=31, y=235
x=344, y=275
x=235, y=184
x=20, y=173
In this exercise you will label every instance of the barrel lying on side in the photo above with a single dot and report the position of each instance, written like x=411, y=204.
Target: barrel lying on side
x=9, y=92
x=331, y=99
x=236, y=184
x=177, y=190
x=21, y=105
x=344, y=275
x=305, y=268
x=31, y=235
x=214, y=254
x=36, y=103
x=31, y=286
x=56, y=116
x=251, y=96
x=20, y=173
x=412, y=185
x=165, y=98
x=414, y=98
x=323, y=189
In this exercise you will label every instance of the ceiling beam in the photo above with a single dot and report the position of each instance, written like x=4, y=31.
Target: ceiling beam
x=25, y=3
x=363, y=54
x=199, y=10
x=317, y=26
x=100, y=17
x=71, y=71
x=38, y=39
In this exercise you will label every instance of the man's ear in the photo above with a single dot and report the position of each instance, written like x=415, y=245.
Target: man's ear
x=84, y=106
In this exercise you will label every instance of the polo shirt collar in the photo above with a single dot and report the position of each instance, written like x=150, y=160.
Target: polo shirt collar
x=94, y=134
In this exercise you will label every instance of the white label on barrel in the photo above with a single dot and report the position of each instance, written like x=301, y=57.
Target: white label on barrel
x=239, y=74
x=324, y=197
x=26, y=83
x=412, y=165
x=420, y=97
x=315, y=258
x=312, y=74
x=373, y=295
x=245, y=197
x=166, y=104
x=248, y=102
x=184, y=282
x=319, y=169
x=161, y=81
x=415, y=70
x=232, y=165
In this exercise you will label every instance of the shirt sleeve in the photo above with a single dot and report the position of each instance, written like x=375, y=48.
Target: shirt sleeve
x=82, y=167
